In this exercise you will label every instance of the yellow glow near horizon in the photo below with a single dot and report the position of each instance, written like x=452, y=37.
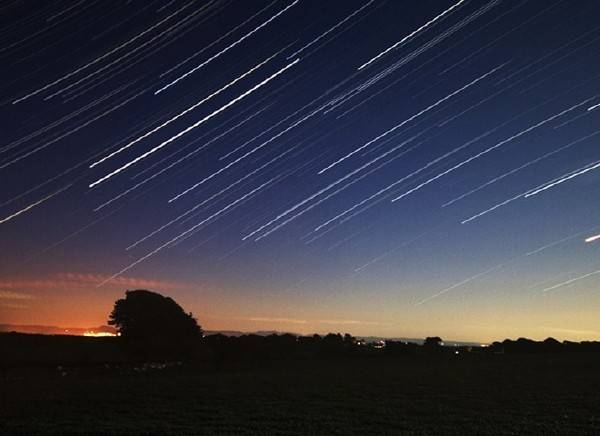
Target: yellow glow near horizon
x=98, y=334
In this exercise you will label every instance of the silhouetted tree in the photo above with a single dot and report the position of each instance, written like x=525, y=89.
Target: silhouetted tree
x=496, y=347
x=432, y=342
x=349, y=340
x=154, y=325
x=551, y=345
x=332, y=344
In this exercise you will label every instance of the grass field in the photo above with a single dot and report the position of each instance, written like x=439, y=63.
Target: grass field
x=494, y=394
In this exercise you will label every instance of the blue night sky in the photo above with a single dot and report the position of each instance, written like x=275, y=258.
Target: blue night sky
x=393, y=168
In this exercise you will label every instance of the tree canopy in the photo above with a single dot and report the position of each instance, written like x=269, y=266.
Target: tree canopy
x=151, y=320
x=433, y=342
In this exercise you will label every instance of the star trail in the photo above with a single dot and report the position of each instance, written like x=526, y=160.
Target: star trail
x=403, y=167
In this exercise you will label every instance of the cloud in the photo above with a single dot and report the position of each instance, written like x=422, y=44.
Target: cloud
x=13, y=305
x=9, y=295
x=284, y=320
x=347, y=322
x=71, y=280
x=571, y=331
x=131, y=282
x=305, y=321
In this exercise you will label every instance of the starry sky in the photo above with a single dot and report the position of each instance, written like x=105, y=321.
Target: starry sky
x=391, y=168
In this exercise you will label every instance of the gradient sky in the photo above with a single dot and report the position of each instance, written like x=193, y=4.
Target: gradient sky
x=394, y=168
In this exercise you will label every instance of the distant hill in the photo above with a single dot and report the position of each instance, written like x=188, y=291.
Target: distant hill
x=55, y=330
x=236, y=333
x=419, y=341
x=365, y=338
x=79, y=331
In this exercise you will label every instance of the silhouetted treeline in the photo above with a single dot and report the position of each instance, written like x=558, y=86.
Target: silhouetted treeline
x=550, y=345
x=222, y=349
x=218, y=350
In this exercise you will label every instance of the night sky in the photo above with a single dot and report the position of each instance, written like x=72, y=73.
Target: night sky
x=393, y=168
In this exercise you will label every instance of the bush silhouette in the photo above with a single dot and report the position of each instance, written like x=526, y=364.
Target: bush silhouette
x=432, y=342
x=154, y=325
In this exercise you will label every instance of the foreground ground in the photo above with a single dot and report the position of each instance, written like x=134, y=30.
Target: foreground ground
x=498, y=394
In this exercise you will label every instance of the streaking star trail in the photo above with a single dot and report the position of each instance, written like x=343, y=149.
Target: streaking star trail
x=429, y=164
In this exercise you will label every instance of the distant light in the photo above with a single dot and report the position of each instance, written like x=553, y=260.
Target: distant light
x=98, y=334
x=456, y=352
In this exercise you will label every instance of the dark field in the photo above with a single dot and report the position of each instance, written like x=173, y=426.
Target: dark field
x=490, y=394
